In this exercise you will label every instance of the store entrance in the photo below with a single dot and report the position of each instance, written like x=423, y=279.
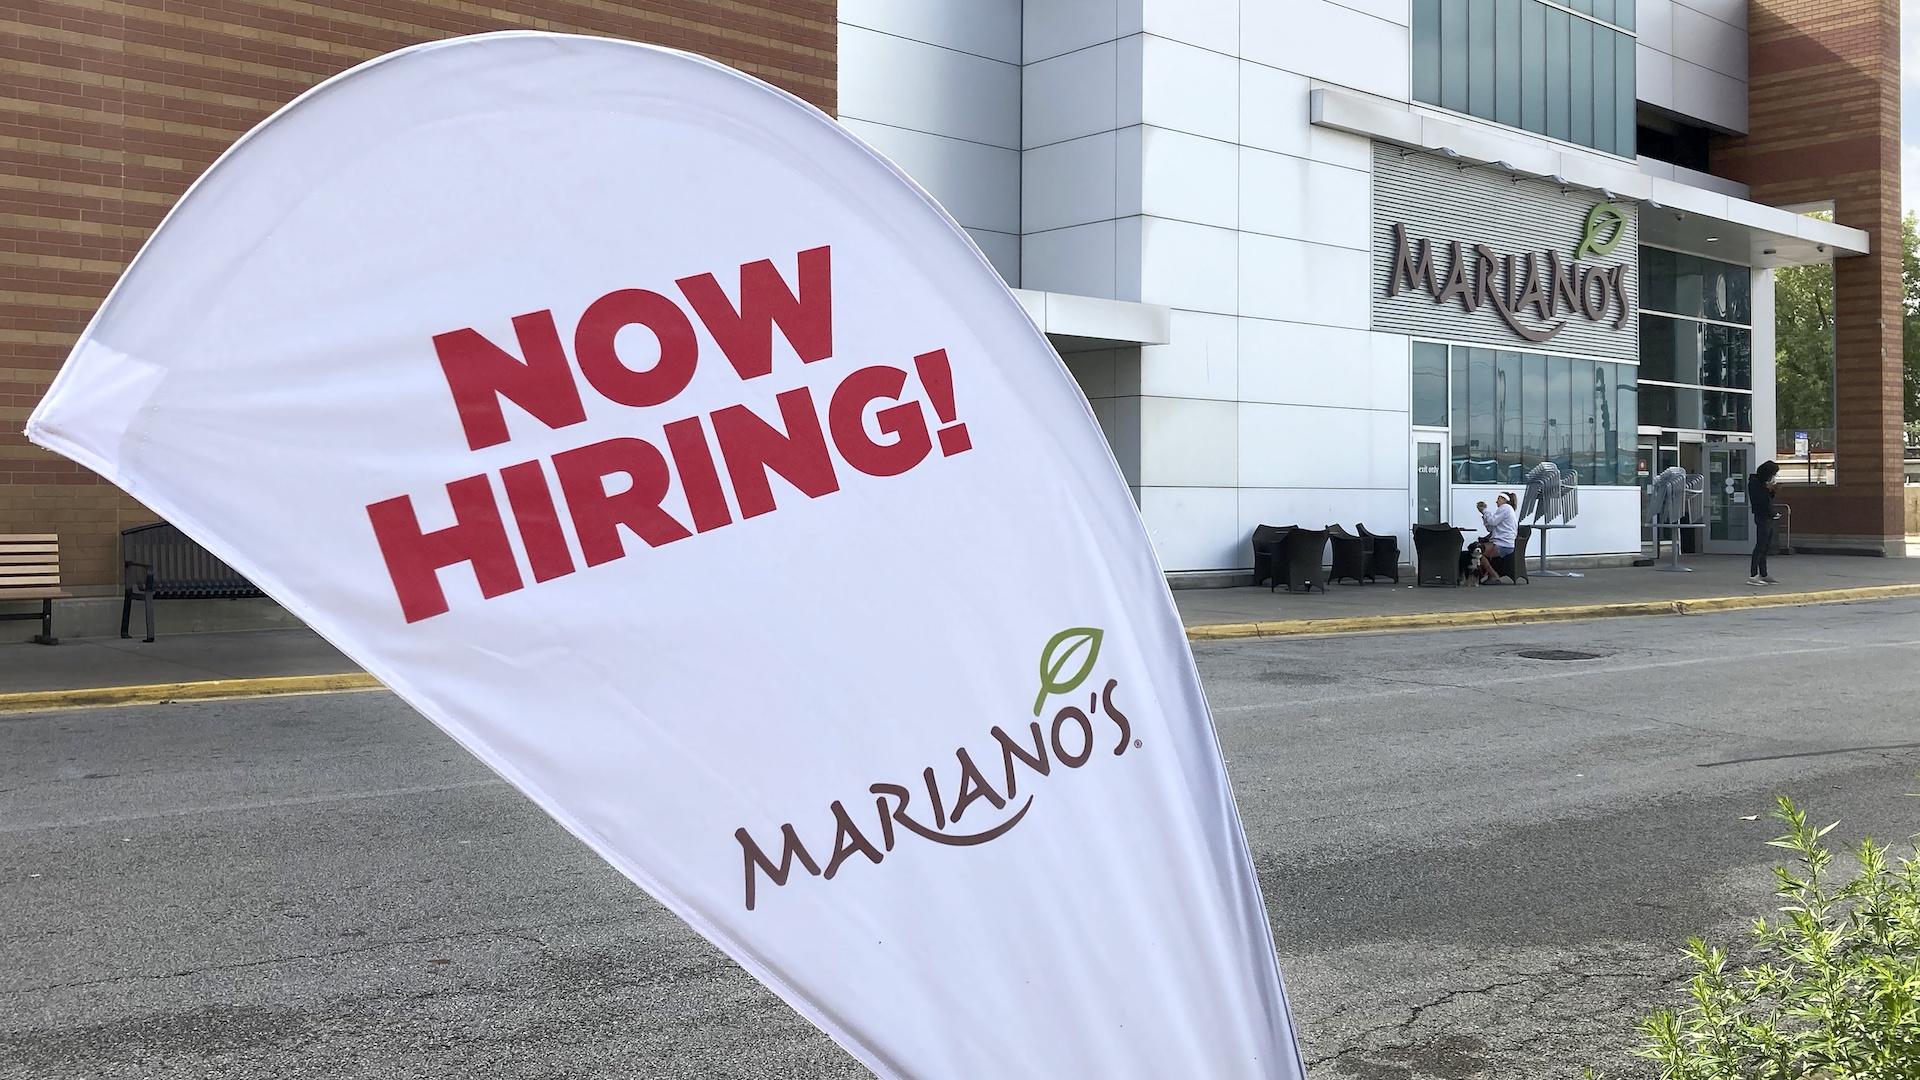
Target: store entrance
x=1729, y=520
x=1657, y=454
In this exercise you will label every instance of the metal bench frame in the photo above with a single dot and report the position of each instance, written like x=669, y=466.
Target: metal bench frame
x=162, y=563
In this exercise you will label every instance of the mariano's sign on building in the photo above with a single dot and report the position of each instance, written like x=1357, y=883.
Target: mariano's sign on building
x=1465, y=254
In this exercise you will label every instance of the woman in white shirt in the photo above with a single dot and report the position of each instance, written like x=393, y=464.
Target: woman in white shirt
x=1502, y=524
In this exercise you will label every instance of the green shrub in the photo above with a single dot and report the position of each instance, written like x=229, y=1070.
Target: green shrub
x=1830, y=990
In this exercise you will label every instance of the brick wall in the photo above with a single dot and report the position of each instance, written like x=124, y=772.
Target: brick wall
x=110, y=108
x=1824, y=102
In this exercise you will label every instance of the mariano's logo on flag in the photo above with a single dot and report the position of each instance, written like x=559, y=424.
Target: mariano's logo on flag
x=1000, y=793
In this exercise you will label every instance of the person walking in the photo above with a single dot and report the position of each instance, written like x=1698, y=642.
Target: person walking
x=1760, y=500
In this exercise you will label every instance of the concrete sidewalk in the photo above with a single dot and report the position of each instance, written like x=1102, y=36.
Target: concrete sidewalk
x=77, y=663
x=235, y=662
x=1712, y=576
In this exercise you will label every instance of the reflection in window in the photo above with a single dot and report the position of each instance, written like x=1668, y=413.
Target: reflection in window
x=1480, y=386
x=1694, y=347
x=1585, y=418
x=1727, y=412
x=1626, y=410
x=1560, y=411
x=1508, y=435
x=1726, y=356
x=1533, y=410
x=1695, y=287
x=1512, y=410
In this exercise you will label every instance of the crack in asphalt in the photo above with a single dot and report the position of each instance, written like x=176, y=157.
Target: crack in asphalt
x=1398, y=1036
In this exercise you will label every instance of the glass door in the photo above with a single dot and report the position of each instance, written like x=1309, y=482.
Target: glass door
x=1729, y=521
x=1429, y=478
x=1643, y=473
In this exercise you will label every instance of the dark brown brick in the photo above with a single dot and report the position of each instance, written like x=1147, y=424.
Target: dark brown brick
x=193, y=77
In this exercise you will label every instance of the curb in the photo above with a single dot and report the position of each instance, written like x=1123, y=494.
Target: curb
x=1369, y=624
x=158, y=693
x=215, y=689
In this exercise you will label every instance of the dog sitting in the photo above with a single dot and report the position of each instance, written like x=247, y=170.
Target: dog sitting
x=1470, y=563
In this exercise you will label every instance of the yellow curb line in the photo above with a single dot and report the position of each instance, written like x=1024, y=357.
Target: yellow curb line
x=155, y=693
x=1367, y=624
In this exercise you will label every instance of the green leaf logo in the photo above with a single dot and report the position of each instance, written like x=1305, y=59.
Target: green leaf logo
x=1602, y=217
x=1066, y=662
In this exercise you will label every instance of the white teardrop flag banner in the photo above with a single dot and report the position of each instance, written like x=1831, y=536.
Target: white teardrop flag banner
x=681, y=459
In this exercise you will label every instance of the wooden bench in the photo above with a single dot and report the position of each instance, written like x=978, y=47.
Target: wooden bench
x=30, y=570
x=163, y=563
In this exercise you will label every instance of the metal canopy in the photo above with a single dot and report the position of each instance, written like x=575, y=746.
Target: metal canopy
x=1672, y=213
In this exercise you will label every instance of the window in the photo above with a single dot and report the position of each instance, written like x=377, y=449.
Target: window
x=1481, y=447
x=1533, y=412
x=1670, y=406
x=1626, y=411
x=1429, y=385
x=1506, y=55
x=1669, y=349
x=1624, y=126
x=1727, y=412
x=1509, y=437
x=1509, y=411
x=1457, y=418
x=1560, y=411
x=1585, y=417
x=1695, y=287
x=1580, y=80
x=1481, y=59
x=1696, y=342
x=1726, y=356
x=1603, y=102
x=1558, y=27
x=1532, y=65
x=1454, y=56
x=1426, y=50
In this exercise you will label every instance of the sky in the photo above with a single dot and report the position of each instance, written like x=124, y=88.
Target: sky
x=1909, y=104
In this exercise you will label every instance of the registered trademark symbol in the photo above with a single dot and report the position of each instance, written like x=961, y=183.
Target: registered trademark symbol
x=1136, y=744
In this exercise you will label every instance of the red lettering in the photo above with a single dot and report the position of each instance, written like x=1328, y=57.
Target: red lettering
x=480, y=373
x=539, y=522
x=600, y=361
x=846, y=418
x=414, y=558
x=751, y=446
x=598, y=514
x=693, y=460
x=746, y=335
